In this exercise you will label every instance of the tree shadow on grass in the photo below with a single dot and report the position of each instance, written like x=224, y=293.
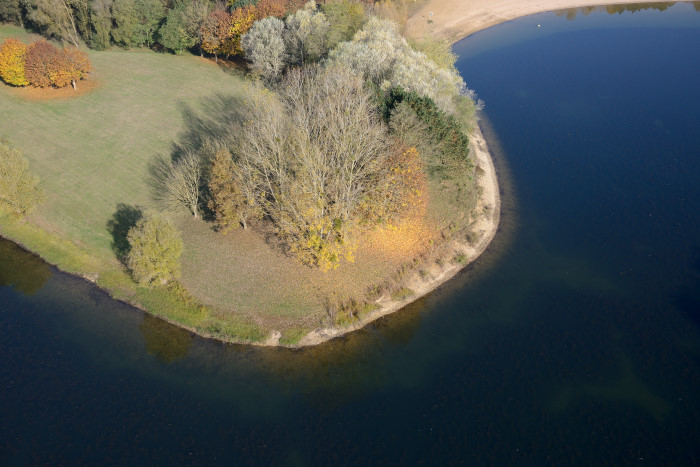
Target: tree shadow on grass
x=208, y=125
x=123, y=219
x=211, y=126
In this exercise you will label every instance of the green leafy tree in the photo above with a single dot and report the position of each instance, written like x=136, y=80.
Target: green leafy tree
x=156, y=247
x=136, y=21
x=174, y=34
x=11, y=11
x=19, y=189
x=101, y=22
x=345, y=18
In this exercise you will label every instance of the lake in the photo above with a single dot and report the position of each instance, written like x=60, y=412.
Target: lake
x=574, y=339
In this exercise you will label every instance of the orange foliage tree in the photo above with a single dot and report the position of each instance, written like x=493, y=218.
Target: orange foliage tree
x=68, y=67
x=38, y=63
x=400, y=188
x=214, y=32
x=12, y=53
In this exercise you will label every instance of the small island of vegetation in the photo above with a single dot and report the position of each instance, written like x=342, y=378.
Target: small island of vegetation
x=303, y=170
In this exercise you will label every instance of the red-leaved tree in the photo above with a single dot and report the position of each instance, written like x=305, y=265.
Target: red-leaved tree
x=37, y=63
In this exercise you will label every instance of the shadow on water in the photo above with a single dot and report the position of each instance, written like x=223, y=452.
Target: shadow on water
x=23, y=271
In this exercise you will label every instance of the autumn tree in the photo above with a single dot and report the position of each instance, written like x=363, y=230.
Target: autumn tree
x=54, y=18
x=232, y=201
x=12, y=55
x=214, y=32
x=38, y=60
x=67, y=67
x=241, y=21
x=155, y=250
x=311, y=152
x=19, y=189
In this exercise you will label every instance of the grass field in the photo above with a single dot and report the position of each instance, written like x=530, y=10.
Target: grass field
x=92, y=151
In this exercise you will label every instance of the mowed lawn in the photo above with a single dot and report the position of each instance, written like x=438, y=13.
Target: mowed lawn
x=93, y=150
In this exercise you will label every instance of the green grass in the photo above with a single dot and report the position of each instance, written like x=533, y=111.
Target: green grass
x=92, y=152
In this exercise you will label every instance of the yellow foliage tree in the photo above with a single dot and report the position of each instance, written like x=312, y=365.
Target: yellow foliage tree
x=242, y=20
x=12, y=53
x=68, y=67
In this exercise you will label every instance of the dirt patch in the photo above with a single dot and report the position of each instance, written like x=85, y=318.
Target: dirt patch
x=49, y=94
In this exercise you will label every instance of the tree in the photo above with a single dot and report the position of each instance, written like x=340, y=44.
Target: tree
x=12, y=54
x=214, y=32
x=174, y=34
x=11, y=11
x=384, y=57
x=345, y=18
x=68, y=67
x=19, y=189
x=38, y=61
x=136, y=21
x=181, y=182
x=305, y=34
x=193, y=16
x=241, y=21
x=228, y=201
x=311, y=153
x=156, y=247
x=101, y=20
x=265, y=48
x=54, y=18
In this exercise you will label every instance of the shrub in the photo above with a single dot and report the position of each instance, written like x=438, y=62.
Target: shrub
x=19, y=190
x=40, y=54
x=156, y=246
x=12, y=55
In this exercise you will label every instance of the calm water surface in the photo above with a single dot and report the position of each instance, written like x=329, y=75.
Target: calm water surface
x=575, y=339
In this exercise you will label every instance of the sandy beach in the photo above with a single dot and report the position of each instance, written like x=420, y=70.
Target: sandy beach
x=456, y=19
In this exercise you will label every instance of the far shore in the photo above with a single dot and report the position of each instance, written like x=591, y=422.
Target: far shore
x=453, y=20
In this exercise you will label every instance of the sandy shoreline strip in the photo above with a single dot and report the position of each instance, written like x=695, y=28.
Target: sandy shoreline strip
x=456, y=19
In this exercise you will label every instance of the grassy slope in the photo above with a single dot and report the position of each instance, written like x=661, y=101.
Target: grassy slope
x=92, y=153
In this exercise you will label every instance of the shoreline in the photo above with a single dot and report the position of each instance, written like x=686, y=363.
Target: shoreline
x=489, y=208
x=453, y=20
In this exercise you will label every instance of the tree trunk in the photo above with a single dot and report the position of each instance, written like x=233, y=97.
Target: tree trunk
x=72, y=82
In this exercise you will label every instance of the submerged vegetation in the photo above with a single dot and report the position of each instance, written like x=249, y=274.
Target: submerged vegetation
x=343, y=129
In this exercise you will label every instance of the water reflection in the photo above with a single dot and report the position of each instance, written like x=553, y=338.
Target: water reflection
x=23, y=271
x=167, y=342
x=572, y=13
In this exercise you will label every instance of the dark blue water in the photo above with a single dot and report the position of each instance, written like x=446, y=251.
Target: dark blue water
x=574, y=339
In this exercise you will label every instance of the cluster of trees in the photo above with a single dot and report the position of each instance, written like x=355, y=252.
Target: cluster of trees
x=19, y=189
x=41, y=64
x=348, y=128
x=316, y=159
x=212, y=25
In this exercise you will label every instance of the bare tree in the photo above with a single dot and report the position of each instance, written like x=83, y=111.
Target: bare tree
x=178, y=184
